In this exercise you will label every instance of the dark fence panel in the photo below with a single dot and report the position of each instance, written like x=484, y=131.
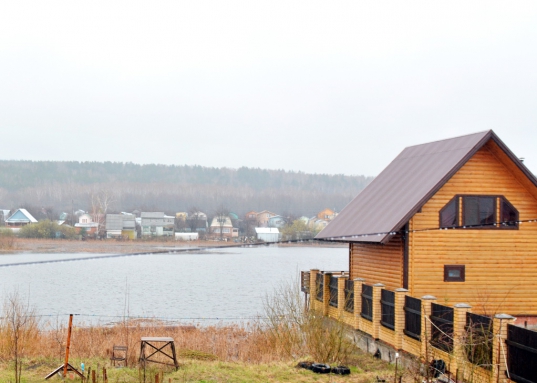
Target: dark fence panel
x=367, y=302
x=333, y=291
x=442, y=327
x=522, y=351
x=387, y=304
x=349, y=296
x=412, y=317
x=479, y=338
x=305, y=281
x=319, y=282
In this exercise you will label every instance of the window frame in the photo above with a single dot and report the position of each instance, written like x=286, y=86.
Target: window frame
x=457, y=218
x=493, y=225
x=498, y=211
x=502, y=226
x=460, y=268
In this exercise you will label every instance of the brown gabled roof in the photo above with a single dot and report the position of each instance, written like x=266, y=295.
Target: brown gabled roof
x=408, y=182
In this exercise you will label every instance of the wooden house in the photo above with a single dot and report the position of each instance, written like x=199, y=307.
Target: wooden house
x=221, y=226
x=86, y=224
x=455, y=218
x=21, y=217
x=263, y=217
x=326, y=214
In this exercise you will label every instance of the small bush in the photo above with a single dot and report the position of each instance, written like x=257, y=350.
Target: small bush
x=7, y=238
x=47, y=229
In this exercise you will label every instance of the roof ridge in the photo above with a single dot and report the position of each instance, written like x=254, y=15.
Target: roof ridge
x=450, y=138
x=440, y=151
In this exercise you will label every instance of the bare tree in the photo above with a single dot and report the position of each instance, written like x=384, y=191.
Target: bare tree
x=100, y=204
x=195, y=218
x=20, y=326
x=222, y=216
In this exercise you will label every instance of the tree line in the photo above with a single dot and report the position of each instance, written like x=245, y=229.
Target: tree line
x=63, y=186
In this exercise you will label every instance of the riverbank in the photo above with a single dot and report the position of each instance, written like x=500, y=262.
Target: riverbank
x=112, y=246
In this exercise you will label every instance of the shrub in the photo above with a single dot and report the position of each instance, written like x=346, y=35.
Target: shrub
x=7, y=238
x=47, y=229
x=296, y=332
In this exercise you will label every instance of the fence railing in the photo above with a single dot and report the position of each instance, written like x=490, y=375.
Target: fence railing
x=412, y=317
x=333, y=291
x=387, y=309
x=522, y=351
x=442, y=327
x=349, y=296
x=479, y=338
x=367, y=302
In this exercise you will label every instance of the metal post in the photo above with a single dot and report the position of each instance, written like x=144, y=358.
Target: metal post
x=68, y=345
x=395, y=374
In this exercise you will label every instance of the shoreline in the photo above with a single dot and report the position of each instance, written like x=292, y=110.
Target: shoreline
x=112, y=246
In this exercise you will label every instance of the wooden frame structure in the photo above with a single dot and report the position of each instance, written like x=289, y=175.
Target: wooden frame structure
x=149, y=342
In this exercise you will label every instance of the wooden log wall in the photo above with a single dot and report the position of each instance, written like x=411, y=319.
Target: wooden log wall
x=378, y=263
x=500, y=264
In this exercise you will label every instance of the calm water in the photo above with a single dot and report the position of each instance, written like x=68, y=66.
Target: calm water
x=204, y=287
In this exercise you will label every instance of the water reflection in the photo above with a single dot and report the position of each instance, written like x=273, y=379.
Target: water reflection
x=228, y=284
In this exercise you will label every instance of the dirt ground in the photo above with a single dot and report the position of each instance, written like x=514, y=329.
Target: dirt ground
x=112, y=246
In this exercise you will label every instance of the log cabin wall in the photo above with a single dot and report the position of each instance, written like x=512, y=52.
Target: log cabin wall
x=378, y=263
x=500, y=264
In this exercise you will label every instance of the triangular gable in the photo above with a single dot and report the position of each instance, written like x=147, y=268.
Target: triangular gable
x=21, y=216
x=408, y=182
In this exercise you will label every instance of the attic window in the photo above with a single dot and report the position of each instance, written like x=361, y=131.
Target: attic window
x=508, y=214
x=479, y=212
x=449, y=215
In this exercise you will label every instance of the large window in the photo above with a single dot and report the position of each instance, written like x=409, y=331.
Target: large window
x=479, y=212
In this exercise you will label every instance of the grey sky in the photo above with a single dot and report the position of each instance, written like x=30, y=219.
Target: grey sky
x=324, y=87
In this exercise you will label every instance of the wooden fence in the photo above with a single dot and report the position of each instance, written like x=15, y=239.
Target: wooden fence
x=474, y=347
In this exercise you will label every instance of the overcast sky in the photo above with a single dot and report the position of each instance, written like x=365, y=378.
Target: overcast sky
x=323, y=87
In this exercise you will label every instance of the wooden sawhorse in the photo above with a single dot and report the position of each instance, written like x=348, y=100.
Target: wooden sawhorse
x=163, y=342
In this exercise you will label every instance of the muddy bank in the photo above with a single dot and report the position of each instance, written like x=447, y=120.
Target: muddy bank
x=112, y=246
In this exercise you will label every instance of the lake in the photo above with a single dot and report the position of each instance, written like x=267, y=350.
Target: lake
x=204, y=287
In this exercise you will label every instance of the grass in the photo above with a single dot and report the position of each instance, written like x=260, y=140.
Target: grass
x=206, y=354
x=213, y=371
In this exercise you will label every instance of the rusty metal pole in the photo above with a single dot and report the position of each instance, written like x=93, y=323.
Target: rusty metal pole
x=68, y=345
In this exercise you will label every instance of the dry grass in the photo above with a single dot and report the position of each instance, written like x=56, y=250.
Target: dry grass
x=113, y=246
x=210, y=354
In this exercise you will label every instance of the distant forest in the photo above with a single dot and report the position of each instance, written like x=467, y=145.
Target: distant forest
x=63, y=186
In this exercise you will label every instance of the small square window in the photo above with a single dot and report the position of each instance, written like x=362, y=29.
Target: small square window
x=454, y=273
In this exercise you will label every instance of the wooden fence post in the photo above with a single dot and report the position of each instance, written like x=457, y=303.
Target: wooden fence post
x=377, y=309
x=341, y=295
x=499, y=348
x=358, y=282
x=399, y=314
x=426, y=302
x=313, y=289
x=459, y=335
x=326, y=293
